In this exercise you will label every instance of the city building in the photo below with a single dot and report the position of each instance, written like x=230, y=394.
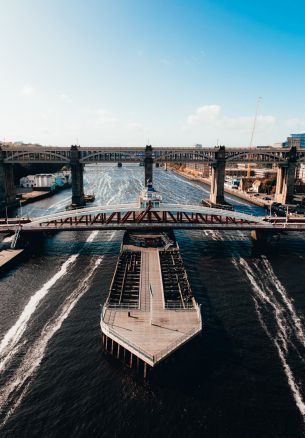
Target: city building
x=27, y=181
x=46, y=180
x=297, y=140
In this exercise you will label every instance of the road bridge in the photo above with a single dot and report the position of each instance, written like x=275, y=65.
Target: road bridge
x=77, y=157
x=132, y=217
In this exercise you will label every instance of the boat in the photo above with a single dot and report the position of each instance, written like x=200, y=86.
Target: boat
x=208, y=203
x=89, y=197
x=150, y=311
x=150, y=197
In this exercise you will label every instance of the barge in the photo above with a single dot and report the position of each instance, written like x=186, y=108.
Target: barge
x=150, y=311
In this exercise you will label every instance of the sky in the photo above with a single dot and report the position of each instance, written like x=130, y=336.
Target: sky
x=164, y=72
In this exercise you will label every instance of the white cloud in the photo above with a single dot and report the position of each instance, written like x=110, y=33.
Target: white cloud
x=211, y=116
x=27, y=90
x=104, y=117
x=207, y=114
x=134, y=126
x=295, y=123
x=65, y=98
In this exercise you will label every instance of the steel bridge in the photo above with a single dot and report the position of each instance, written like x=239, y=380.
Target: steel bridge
x=131, y=217
x=286, y=160
x=61, y=155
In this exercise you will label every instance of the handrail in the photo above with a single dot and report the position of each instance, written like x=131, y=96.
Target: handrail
x=176, y=343
x=180, y=306
x=122, y=305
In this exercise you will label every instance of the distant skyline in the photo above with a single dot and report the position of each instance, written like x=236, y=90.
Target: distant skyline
x=120, y=72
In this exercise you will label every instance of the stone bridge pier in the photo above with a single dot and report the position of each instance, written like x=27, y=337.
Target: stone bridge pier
x=7, y=186
x=148, y=164
x=218, y=177
x=77, y=178
x=285, y=179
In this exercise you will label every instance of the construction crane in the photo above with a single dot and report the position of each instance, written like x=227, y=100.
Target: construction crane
x=252, y=136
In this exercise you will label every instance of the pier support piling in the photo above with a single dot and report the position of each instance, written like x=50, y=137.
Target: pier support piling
x=218, y=177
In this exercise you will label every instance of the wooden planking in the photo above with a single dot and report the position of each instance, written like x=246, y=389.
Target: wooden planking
x=152, y=329
x=7, y=255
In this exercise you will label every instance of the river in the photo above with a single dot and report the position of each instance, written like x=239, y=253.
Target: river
x=243, y=378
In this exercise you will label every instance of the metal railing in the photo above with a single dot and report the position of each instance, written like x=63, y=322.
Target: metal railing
x=180, y=306
x=165, y=351
x=130, y=344
x=122, y=305
x=174, y=345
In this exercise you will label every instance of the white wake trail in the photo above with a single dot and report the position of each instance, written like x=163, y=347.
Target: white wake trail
x=19, y=381
x=295, y=389
x=9, y=344
x=258, y=289
x=299, y=329
x=14, y=334
x=283, y=333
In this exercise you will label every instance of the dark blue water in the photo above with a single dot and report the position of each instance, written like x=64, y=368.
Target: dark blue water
x=243, y=378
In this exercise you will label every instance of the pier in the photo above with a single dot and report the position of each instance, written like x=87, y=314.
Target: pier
x=150, y=311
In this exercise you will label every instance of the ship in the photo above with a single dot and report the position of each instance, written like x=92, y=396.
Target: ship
x=150, y=311
x=89, y=197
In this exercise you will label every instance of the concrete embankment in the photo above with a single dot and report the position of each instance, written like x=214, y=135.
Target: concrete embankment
x=34, y=196
x=234, y=192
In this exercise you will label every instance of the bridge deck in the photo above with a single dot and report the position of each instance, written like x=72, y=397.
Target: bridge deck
x=151, y=332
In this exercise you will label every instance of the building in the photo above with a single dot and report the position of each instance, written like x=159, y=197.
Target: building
x=27, y=181
x=200, y=169
x=45, y=180
x=297, y=140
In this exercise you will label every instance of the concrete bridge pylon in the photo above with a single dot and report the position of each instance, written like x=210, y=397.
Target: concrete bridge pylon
x=77, y=178
x=7, y=186
x=286, y=178
x=148, y=164
x=218, y=177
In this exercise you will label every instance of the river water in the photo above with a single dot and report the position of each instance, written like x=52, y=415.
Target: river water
x=243, y=378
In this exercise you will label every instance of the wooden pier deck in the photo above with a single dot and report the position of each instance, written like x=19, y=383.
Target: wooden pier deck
x=151, y=332
x=7, y=256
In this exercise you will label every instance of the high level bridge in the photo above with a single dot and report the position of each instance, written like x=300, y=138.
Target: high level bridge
x=285, y=159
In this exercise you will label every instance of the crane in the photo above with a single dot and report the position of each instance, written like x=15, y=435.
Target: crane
x=252, y=136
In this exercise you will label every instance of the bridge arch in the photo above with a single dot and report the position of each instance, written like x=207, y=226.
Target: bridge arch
x=254, y=156
x=37, y=157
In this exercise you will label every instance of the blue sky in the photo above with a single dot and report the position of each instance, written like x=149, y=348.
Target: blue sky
x=177, y=72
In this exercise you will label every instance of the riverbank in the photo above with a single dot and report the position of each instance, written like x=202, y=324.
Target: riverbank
x=234, y=192
x=35, y=195
x=24, y=198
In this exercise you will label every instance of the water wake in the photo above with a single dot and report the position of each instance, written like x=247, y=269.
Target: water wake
x=286, y=318
x=15, y=333
x=12, y=394
x=9, y=345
